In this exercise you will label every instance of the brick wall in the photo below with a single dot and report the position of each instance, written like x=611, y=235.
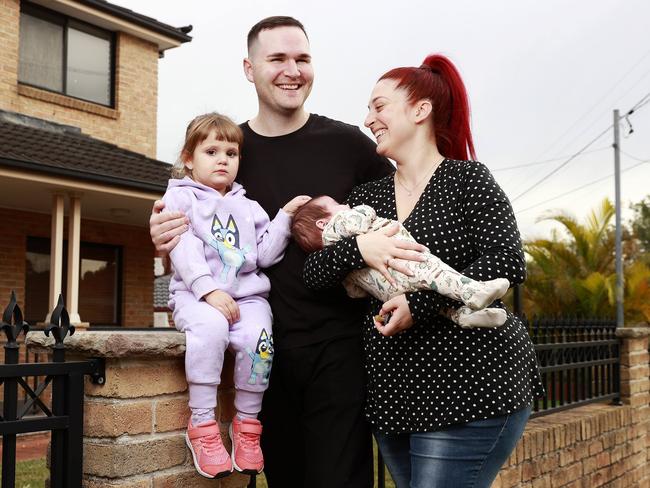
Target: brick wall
x=137, y=259
x=131, y=125
x=594, y=445
x=134, y=424
x=144, y=404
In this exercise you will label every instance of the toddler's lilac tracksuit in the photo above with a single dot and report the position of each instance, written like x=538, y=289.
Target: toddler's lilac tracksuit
x=229, y=240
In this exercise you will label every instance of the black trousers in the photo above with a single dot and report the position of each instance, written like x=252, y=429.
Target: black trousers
x=314, y=433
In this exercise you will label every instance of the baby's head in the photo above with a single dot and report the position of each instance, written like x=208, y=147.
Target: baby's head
x=211, y=151
x=310, y=220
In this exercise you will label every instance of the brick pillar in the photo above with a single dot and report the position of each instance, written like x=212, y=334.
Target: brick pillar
x=635, y=384
x=134, y=424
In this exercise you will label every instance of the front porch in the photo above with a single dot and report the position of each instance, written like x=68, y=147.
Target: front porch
x=74, y=213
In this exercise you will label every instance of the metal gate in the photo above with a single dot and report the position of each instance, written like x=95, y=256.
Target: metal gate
x=65, y=416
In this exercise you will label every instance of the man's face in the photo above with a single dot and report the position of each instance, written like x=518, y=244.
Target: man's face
x=279, y=64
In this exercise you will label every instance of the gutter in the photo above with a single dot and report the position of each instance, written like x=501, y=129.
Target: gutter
x=84, y=176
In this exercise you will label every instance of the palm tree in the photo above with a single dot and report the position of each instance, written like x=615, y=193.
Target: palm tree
x=575, y=275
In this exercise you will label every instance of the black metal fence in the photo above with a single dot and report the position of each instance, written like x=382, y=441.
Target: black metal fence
x=579, y=360
x=64, y=418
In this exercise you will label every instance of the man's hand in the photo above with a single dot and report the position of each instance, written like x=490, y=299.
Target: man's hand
x=225, y=304
x=166, y=227
x=400, y=316
x=292, y=206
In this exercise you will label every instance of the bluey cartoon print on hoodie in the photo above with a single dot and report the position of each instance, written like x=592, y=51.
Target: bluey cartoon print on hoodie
x=229, y=240
x=225, y=239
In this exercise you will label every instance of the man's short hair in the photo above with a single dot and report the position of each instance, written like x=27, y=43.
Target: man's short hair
x=273, y=23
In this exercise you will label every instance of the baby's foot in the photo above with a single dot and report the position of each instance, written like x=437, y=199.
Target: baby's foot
x=480, y=294
x=486, y=317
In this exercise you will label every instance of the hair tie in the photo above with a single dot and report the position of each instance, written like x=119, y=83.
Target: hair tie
x=430, y=68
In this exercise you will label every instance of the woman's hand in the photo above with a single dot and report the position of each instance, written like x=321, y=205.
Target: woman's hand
x=166, y=227
x=294, y=204
x=225, y=304
x=400, y=316
x=380, y=251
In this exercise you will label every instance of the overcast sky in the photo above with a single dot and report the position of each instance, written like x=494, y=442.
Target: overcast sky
x=543, y=78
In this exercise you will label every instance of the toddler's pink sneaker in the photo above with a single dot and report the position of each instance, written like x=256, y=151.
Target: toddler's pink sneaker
x=210, y=457
x=246, y=452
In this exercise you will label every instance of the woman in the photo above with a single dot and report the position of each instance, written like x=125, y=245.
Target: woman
x=447, y=404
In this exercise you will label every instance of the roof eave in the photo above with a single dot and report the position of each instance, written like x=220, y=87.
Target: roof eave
x=83, y=175
x=116, y=18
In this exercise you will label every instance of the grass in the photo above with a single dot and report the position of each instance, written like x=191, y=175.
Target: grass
x=31, y=474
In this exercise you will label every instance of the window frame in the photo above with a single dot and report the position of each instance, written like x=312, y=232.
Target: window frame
x=66, y=23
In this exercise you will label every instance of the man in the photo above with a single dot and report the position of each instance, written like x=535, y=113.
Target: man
x=314, y=434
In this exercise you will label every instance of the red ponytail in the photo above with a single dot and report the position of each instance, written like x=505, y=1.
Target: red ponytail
x=439, y=81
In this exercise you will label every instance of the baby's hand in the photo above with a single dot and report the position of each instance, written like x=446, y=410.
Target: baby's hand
x=225, y=304
x=292, y=207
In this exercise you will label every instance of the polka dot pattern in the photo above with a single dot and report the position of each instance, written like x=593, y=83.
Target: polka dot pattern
x=437, y=374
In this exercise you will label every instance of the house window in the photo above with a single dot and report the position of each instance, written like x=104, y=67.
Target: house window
x=100, y=287
x=64, y=55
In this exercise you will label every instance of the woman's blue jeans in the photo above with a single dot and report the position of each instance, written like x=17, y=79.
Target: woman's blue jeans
x=459, y=456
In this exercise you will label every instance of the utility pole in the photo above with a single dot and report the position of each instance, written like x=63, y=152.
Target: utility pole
x=619, y=250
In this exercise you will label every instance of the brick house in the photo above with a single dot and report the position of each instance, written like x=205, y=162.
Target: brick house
x=78, y=175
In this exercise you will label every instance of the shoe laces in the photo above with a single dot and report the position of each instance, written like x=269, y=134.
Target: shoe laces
x=211, y=443
x=249, y=440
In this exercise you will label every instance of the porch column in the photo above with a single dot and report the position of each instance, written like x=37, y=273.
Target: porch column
x=56, y=252
x=74, y=232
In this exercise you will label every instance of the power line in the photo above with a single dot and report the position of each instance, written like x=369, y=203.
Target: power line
x=644, y=100
x=634, y=157
x=571, y=158
x=599, y=101
x=640, y=104
x=535, y=163
x=583, y=186
x=589, y=126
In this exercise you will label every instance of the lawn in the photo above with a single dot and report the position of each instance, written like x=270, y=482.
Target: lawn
x=31, y=474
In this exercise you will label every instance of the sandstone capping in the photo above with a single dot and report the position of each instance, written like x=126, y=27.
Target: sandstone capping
x=158, y=343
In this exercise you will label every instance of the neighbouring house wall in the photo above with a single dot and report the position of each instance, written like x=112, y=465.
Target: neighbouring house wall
x=137, y=259
x=131, y=124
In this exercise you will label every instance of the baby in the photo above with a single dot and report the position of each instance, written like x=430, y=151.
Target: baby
x=323, y=221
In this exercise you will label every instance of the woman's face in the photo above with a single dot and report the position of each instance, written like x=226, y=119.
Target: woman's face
x=389, y=117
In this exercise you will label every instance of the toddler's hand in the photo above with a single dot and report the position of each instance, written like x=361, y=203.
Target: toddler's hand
x=225, y=304
x=292, y=206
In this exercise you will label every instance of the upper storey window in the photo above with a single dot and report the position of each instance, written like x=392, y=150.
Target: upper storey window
x=64, y=55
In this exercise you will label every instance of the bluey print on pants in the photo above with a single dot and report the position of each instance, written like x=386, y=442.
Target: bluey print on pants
x=262, y=358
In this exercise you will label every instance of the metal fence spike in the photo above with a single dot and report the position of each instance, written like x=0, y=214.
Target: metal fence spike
x=59, y=324
x=12, y=320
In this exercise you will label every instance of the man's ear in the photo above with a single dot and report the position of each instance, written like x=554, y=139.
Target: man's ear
x=248, y=69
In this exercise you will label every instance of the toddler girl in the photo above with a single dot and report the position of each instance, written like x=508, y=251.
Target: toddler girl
x=218, y=293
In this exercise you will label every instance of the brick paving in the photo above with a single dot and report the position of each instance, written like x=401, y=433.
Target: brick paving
x=31, y=446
